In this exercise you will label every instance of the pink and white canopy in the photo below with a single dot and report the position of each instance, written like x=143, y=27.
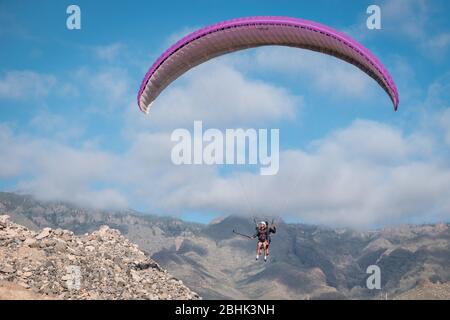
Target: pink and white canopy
x=243, y=33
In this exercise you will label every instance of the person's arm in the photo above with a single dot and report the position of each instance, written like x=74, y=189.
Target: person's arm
x=273, y=229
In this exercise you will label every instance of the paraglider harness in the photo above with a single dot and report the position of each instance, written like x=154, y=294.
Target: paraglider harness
x=263, y=231
x=264, y=235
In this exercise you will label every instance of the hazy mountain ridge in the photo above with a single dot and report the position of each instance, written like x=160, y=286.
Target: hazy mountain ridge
x=146, y=230
x=305, y=262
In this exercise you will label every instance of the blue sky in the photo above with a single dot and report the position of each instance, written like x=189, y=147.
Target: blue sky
x=70, y=128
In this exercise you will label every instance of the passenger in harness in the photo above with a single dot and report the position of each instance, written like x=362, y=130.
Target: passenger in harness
x=263, y=232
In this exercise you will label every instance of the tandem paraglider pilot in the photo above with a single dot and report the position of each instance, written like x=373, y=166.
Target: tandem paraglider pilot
x=263, y=232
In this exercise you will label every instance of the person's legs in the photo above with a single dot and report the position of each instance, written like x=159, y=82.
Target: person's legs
x=266, y=249
x=258, y=250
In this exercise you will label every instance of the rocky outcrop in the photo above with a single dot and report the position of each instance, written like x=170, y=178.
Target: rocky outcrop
x=100, y=265
x=426, y=290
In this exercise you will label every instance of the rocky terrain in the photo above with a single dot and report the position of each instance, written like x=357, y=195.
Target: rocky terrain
x=56, y=264
x=427, y=290
x=306, y=261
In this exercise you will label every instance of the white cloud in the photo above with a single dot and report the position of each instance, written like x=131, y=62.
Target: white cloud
x=416, y=21
x=50, y=171
x=413, y=20
x=25, y=85
x=325, y=73
x=366, y=174
x=435, y=109
x=55, y=125
x=444, y=122
x=438, y=94
x=111, y=84
x=12, y=155
x=220, y=95
x=406, y=17
x=441, y=42
x=108, y=52
x=108, y=88
x=179, y=34
x=68, y=90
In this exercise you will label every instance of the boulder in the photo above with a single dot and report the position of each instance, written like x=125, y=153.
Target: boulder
x=44, y=234
x=4, y=221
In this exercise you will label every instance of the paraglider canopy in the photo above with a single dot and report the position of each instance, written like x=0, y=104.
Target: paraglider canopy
x=243, y=33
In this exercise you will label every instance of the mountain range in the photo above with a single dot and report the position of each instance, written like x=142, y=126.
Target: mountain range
x=305, y=262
